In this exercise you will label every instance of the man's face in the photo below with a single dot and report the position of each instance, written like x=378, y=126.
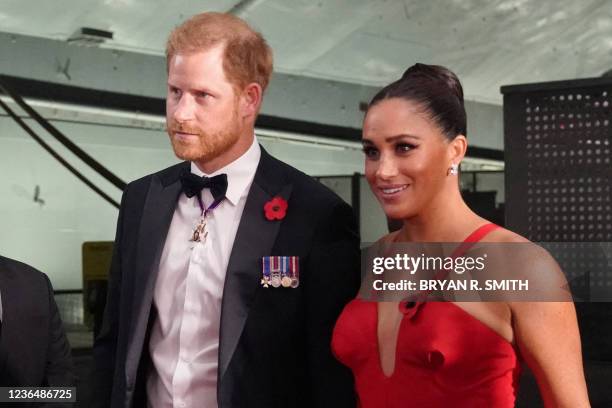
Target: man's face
x=201, y=107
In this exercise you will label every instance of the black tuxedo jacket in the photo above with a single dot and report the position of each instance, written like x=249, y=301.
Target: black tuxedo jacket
x=274, y=346
x=34, y=351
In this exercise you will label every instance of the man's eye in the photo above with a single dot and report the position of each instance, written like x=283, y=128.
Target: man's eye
x=370, y=152
x=175, y=91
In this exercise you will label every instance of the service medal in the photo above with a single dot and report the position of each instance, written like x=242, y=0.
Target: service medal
x=280, y=271
x=286, y=281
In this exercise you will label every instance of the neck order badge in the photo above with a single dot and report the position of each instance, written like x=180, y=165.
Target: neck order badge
x=193, y=186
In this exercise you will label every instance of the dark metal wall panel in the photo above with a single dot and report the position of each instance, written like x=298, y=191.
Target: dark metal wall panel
x=558, y=154
x=558, y=164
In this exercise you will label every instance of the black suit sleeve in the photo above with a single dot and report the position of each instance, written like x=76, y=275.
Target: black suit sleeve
x=58, y=367
x=105, y=344
x=333, y=277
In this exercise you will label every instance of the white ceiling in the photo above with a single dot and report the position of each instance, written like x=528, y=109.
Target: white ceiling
x=488, y=43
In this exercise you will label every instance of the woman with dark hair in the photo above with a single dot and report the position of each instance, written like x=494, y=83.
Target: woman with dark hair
x=445, y=354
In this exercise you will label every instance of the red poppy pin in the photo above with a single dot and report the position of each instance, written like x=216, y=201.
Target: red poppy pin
x=276, y=208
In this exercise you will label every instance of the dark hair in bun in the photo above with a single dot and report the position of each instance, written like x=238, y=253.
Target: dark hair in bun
x=437, y=90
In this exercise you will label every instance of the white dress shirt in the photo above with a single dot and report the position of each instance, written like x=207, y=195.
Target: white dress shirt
x=184, y=340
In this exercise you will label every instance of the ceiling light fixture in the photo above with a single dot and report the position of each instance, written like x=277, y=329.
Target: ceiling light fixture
x=90, y=37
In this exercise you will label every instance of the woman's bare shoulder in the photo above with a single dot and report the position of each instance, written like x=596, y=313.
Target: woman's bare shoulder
x=515, y=247
x=512, y=256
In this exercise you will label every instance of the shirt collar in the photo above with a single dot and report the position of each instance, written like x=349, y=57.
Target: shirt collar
x=240, y=172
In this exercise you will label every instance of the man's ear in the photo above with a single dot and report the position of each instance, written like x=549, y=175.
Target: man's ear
x=457, y=148
x=250, y=100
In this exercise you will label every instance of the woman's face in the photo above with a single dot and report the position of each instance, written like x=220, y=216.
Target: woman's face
x=406, y=157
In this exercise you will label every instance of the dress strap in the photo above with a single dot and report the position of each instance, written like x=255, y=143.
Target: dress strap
x=473, y=238
x=481, y=232
x=410, y=308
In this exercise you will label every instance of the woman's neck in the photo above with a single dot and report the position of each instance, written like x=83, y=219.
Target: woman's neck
x=447, y=218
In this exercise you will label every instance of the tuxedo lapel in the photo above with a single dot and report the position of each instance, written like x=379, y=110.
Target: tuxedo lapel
x=255, y=238
x=157, y=215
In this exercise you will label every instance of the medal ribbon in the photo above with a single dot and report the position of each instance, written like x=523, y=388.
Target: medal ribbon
x=204, y=211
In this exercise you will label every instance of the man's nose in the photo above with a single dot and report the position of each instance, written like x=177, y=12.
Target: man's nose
x=184, y=109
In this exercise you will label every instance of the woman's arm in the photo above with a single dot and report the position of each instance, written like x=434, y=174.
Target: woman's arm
x=548, y=338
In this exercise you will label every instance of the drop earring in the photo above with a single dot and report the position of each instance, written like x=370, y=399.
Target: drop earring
x=453, y=170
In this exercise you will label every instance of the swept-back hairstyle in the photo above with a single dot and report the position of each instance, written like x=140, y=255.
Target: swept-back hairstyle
x=436, y=90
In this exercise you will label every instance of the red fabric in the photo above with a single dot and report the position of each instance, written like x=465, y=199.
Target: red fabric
x=276, y=209
x=444, y=358
x=473, y=238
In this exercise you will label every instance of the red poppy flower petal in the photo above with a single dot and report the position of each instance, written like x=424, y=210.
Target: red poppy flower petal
x=276, y=208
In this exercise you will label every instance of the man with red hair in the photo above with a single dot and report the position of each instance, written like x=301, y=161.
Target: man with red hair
x=229, y=269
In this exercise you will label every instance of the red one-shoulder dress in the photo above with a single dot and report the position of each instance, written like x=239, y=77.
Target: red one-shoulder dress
x=445, y=357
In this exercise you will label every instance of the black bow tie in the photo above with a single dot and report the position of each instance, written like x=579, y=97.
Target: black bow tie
x=193, y=184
